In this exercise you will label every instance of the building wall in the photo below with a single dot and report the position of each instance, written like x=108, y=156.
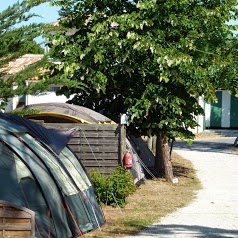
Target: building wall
x=45, y=98
x=224, y=112
x=33, y=99
x=200, y=118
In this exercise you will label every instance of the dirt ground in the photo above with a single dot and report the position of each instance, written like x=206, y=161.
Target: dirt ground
x=153, y=200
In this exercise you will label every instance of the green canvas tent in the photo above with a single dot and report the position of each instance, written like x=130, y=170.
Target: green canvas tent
x=39, y=172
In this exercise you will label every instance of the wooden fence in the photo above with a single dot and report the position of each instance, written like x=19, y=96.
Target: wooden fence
x=16, y=221
x=97, y=145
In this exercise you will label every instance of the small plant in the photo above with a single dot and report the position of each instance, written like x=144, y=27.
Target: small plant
x=100, y=184
x=114, y=188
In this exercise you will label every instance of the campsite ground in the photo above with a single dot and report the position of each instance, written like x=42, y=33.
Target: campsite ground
x=157, y=198
x=152, y=200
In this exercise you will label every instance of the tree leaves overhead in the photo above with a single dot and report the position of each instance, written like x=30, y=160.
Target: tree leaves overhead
x=153, y=58
x=16, y=33
x=17, y=37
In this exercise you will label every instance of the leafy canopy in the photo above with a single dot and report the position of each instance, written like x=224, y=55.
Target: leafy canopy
x=17, y=37
x=152, y=58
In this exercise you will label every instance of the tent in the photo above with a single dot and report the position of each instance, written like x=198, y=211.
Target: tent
x=39, y=172
x=65, y=112
x=68, y=113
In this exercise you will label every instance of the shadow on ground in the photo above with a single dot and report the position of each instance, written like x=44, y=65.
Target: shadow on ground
x=221, y=145
x=188, y=231
x=219, y=132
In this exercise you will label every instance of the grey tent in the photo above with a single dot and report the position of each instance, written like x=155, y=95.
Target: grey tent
x=39, y=172
x=65, y=112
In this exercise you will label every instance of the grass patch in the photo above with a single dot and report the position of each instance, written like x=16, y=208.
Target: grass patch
x=153, y=200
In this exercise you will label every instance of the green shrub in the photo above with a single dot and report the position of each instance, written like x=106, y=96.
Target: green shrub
x=25, y=112
x=114, y=188
x=100, y=184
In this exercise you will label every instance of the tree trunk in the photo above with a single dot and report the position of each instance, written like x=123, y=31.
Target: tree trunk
x=163, y=164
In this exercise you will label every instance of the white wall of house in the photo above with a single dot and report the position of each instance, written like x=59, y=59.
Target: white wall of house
x=9, y=106
x=33, y=99
x=200, y=118
x=207, y=114
x=45, y=98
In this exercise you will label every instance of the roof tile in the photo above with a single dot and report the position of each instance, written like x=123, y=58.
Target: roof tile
x=20, y=63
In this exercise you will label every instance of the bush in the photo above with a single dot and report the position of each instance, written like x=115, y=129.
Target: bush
x=100, y=184
x=114, y=188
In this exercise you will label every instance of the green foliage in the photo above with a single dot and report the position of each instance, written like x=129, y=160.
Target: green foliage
x=24, y=112
x=17, y=37
x=100, y=184
x=151, y=58
x=16, y=84
x=114, y=188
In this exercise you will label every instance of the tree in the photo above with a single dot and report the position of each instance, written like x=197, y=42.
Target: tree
x=17, y=37
x=152, y=58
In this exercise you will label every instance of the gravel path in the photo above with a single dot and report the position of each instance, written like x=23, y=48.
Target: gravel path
x=214, y=213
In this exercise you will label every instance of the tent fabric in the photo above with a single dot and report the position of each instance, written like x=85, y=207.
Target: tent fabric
x=77, y=113
x=142, y=148
x=137, y=170
x=54, y=138
x=34, y=176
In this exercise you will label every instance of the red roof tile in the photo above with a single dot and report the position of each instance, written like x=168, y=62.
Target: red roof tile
x=20, y=63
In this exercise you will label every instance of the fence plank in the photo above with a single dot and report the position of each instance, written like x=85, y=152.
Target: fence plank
x=97, y=145
x=16, y=221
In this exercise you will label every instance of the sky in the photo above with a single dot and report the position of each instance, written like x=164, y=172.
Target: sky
x=48, y=14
